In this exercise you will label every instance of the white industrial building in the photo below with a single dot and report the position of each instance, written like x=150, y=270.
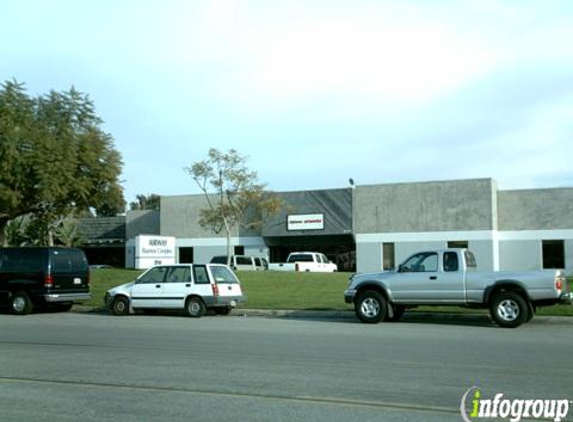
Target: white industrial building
x=374, y=227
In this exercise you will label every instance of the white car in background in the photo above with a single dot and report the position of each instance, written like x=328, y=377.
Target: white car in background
x=306, y=262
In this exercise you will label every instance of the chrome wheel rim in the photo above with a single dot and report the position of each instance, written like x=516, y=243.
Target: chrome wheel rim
x=120, y=306
x=194, y=308
x=508, y=310
x=19, y=304
x=370, y=307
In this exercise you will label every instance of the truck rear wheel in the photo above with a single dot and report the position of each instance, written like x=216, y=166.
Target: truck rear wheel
x=509, y=309
x=371, y=307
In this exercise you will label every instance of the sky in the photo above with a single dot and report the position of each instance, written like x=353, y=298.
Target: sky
x=313, y=92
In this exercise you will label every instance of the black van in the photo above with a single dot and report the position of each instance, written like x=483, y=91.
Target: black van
x=54, y=276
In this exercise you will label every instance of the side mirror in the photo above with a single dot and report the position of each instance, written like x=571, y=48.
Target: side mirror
x=400, y=268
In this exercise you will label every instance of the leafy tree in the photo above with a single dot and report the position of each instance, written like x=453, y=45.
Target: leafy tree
x=235, y=197
x=31, y=230
x=54, y=157
x=146, y=202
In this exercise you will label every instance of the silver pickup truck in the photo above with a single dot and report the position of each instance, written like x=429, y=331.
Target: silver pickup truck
x=449, y=277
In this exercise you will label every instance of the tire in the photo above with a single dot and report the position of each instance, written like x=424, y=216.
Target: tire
x=509, y=309
x=397, y=311
x=120, y=306
x=195, y=307
x=20, y=304
x=371, y=307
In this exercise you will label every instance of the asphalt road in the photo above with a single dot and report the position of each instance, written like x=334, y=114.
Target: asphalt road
x=96, y=367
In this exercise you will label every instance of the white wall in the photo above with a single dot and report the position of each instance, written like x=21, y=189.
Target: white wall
x=206, y=248
x=520, y=255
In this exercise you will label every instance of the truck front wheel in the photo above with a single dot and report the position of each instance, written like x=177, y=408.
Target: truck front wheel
x=509, y=309
x=371, y=307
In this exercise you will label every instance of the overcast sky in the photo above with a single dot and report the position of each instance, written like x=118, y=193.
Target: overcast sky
x=313, y=92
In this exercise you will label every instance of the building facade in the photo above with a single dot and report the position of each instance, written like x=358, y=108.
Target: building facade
x=375, y=227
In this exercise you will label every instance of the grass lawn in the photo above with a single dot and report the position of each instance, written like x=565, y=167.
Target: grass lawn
x=285, y=290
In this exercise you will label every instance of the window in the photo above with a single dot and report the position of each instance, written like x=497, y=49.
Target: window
x=388, y=256
x=61, y=262
x=154, y=275
x=421, y=263
x=458, y=244
x=470, y=260
x=19, y=260
x=243, y=260
x=186, y=255
x=200, y=274
x=223, y=275
x=303, y=257
x=239, y=250
x=219, y=260
x=451, y=261
x=178, y=275
x=79, y=261
x=553, y=254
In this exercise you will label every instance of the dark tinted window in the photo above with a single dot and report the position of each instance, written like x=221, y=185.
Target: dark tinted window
x=553, y=254
x=79, y=261
x=18, y=260
x=451, y=261
x=302, y=257
x=243, y=260
x=61, y=262
x=219, y=260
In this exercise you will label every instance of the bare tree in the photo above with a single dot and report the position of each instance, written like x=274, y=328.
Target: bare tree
x=235, y=197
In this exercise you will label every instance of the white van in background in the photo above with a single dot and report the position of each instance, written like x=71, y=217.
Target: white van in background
x=243, y=262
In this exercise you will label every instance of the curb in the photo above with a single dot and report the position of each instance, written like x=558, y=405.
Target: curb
x=412, y=316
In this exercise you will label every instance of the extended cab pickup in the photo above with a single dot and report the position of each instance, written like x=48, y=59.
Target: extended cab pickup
x=449, y=277
x=306, y=261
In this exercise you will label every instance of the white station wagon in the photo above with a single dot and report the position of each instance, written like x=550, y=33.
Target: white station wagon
x=190, y=287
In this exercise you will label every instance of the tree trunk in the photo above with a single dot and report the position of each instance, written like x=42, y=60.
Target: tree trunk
x=228, y=233
x=3, y=237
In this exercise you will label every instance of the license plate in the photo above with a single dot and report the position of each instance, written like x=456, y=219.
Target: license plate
x=77, y=281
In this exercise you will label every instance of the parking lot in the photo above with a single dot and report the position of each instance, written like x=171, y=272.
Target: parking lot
x=93, y=367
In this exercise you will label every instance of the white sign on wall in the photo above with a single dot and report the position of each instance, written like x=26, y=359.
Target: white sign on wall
x=154, y=250
x=305, y=222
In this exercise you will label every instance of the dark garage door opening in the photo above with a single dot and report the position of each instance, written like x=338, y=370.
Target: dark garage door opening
x=340, y=249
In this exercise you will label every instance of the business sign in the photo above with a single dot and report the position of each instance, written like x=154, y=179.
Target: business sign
x=305, y=222
x=154, y=250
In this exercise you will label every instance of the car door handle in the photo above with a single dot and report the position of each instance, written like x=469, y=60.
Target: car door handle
x=157, y=286
x=433, y=277
x=188, y=285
